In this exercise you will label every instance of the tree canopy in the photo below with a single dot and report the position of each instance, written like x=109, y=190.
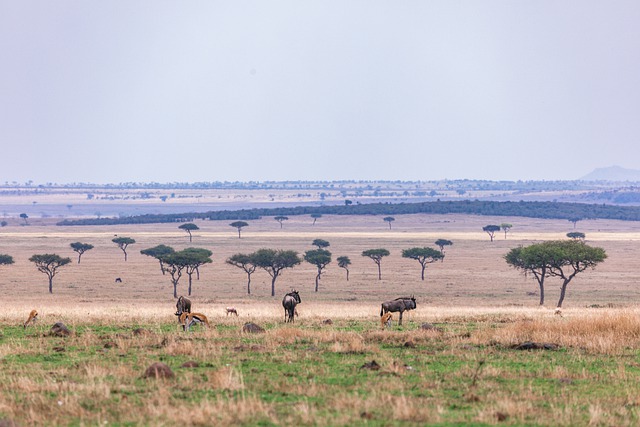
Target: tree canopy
x=506, y=227
x=158, y=252
x=6, y=259
x=320, y=243
x=576, y=235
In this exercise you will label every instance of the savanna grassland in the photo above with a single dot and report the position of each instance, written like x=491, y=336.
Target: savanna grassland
x=465, y=370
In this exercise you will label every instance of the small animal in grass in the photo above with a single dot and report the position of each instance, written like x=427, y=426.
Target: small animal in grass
x=231, y=310
x=188, y=319
x=385, y=320
x=33, y=316
x=558, y=312
x=118, y=280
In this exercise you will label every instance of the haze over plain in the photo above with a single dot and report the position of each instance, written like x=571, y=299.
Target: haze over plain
x=205, y=91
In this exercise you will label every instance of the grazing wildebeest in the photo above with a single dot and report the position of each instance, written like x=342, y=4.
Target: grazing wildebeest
x=118, y=280
x=183, y=306
x=289, y=303
x=399, y=305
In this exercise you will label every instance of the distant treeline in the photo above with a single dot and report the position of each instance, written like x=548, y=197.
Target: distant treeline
x=548, y=210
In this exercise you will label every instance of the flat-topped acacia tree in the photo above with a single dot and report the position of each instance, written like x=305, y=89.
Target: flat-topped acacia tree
x=320, y=258
x=246, y=263
x=274, y=262
x=344, y=262
x=239, y=225
x=320, y=243
x=389, y=219
x=491, y=230
x=281, y=219
x=376, y=255
x=441, y=243
x=423, y=255
x=189, y=227
x=122, y=243
x=80, y=248
x=49, y=265
x=196, y=257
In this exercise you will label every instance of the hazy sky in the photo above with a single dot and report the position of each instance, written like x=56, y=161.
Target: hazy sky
x=116, y=91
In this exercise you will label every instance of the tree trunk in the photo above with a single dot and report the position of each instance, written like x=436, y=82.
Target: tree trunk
x=317, y=279
x=189, y=235
x=379, y=272
x=273, y=285
x=400, y=319
x=541, y=292
x=347, y=274
x=423, y=268
x=50, y=284
x=563, y=290
x=125, y=255
x=175, y=289
x=239, y=233
x=190, y=280
x=79, y=258
x=248, y=284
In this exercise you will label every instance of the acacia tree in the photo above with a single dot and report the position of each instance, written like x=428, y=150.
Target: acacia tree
x=239, y=225
x=491, y=230
x=246, y=263
x=441, y=243
x=315, y=217
x=389, y=219
x=49, y=265
x=189, y=227
x=80, y=248
x=344, y=262
x=576, y=235
x=174, y=263
x=6, y=259
x=320, y=258
x=24, y=216
x=195, y=258
x=534, y=259
x=158, y=252
x=559, y=258
x=423, y=255
x=122, y=243
x=574, y=220
x=506, y=227
x=281, y=219
x=575, y=257
x=376, y=255
x=320, y=243
x=274, y=262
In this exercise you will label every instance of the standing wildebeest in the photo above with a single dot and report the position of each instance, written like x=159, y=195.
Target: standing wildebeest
x=289, y=303
x=183, y=306
x=399, y=304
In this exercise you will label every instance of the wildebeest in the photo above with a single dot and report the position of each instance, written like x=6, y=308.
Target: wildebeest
x=399, y=305
x=118, y=280
x=183, y=306
x=289, y=303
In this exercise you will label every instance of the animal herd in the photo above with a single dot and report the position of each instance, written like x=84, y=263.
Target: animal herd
x=186, y=318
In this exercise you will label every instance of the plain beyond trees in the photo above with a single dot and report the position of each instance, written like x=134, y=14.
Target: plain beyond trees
x=49, y=265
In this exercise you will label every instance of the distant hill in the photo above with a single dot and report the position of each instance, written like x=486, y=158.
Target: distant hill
x=612, y=173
